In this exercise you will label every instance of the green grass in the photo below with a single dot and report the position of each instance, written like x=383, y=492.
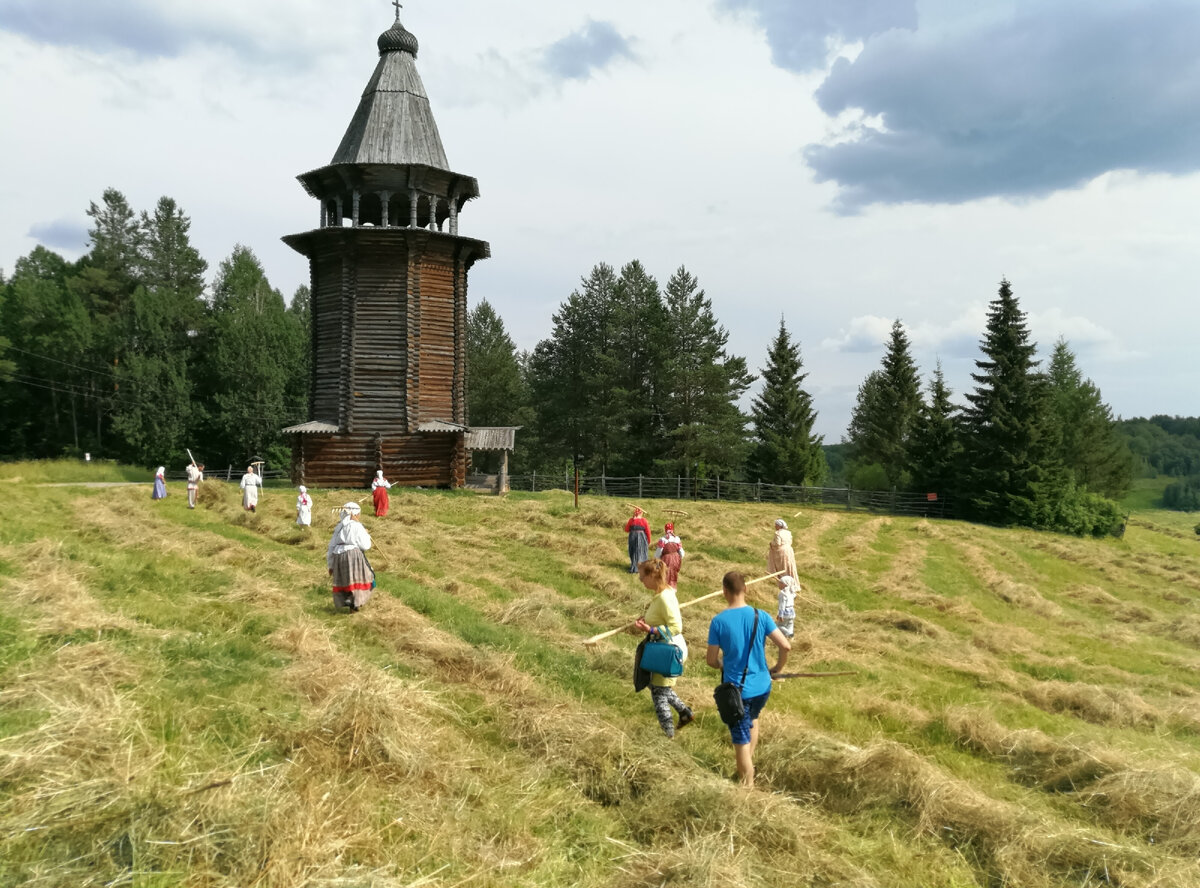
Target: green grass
x=182, y=707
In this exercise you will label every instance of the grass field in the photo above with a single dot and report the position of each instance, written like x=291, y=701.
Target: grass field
x=179, y=705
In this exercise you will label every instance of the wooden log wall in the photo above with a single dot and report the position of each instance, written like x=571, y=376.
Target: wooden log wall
x=380, y=351
x=427, y=460
x=326, y=333
x=438, y=339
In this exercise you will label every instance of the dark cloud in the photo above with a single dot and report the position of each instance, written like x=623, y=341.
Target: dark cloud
x=1043, y=99
x=142, y=27
x=591, y=48
x=798, y=30
x=61, y=234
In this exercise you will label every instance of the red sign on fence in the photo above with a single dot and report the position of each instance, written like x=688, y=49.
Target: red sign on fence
x=932, y=497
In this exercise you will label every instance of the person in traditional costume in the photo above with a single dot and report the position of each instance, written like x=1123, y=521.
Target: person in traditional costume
x=304, y=508
x=379, y=494
x=638, y=530
x=780, y=556
x=160, y=483
x=353, y=579
x=663, y=621
x=670, y=550
x=195, y=474
x=251, y=481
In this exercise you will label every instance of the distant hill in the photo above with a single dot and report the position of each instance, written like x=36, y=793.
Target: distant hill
x=1164, y=445
x=181, y=706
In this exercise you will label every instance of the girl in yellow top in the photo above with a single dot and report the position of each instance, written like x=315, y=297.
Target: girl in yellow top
x=663, y=614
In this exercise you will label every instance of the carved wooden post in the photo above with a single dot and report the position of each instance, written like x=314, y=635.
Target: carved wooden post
x=454, y=213
x=354, y=211
x=385, y=198
x=412, y=205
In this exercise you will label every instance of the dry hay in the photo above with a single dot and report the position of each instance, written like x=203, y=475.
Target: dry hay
x=1005, y=587
x=901, y=712
x=1009, y=844
x=1033, y=757
x=1185, y=629
x=1163, y=805
x=1115, y=707
x=57, y=592
x=861, y=540
x=893, y=619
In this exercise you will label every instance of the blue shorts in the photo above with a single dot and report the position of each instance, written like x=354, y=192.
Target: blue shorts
x=741, y=731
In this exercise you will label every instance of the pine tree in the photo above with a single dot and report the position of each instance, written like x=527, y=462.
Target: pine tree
x=886, y=411
x=703, y=384
x=1008, y=448
x=1090, y=446
x=496, y=385
x=934, y=449
x=785, y=449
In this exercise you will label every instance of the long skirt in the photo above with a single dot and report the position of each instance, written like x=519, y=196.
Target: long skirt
x=160, y=489
x=353, y=579
x=673, y=562
x=250, y=497
x=380, y=497
x=639, y=549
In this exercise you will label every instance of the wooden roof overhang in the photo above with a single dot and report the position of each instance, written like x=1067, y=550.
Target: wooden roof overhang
x=496, y=438
x=470, y=249
x=343, y=178
x=316, y=427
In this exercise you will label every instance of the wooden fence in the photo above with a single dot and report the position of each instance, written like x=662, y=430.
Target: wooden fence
x=927, y=505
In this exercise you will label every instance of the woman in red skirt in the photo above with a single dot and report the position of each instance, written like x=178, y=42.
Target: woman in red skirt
x=670, y=550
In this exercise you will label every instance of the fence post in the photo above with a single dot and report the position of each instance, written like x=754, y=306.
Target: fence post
x=678, y=488
x=535, y=481
x=229, y=473
x=603, y=484
x=718, y=488
x=639, y=486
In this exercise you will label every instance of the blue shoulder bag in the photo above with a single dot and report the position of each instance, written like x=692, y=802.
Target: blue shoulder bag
x=662, y=657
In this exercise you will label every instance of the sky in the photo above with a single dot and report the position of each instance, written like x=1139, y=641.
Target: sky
x=835, y=164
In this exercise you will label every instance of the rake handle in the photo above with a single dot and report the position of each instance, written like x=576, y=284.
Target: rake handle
x=611, y=632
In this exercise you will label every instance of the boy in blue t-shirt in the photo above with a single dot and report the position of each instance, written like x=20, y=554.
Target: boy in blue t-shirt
x=734, y=645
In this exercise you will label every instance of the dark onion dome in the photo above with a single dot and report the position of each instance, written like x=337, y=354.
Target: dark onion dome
x=398, y=39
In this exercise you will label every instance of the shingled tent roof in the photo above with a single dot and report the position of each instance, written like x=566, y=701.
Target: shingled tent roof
x=394, y=123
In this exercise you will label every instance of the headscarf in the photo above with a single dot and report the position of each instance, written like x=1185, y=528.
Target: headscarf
x=341, y=533
x=780, y=524
x=790, y=584
x=379, y=473
x=638, y=512
x=303, y=489
x=669, y=528
x=162, y=470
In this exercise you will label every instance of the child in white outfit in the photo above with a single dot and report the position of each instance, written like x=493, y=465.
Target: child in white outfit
x=785, y=619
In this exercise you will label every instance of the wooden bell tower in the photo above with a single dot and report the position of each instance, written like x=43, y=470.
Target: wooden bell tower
x=389, y=293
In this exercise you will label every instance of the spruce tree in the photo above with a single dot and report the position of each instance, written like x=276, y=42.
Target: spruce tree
x=1009, y=454
x=935, y=450
x=703, y=384
x=1089, y=445
x=785, y=451
x=574, y=377
x=252, y=357
x=639, y=358
x=886, y=411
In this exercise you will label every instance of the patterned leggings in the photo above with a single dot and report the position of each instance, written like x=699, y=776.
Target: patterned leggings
x=664, y=700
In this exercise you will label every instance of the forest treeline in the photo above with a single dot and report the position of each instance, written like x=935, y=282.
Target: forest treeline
x=127, y=354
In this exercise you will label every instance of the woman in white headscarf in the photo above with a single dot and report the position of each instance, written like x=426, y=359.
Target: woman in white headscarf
x=379, y=494
x=780, y=556
x=353, y=579
x=304, y=508
x=160, y=483
x=250, y=484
